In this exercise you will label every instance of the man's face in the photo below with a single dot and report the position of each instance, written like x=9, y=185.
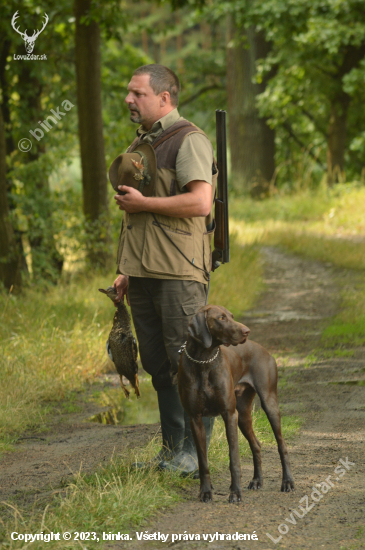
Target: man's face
x=145, y=107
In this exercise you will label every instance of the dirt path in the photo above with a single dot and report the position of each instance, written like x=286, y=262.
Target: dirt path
x=300, y=296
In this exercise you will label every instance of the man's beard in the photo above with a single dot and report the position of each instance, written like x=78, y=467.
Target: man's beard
x=136, y=118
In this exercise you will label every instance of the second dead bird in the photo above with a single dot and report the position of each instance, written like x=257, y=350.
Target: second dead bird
x=122, y=345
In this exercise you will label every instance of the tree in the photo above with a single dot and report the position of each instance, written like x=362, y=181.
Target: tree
x=10, y=258
x=252, y=141
x=318, y=49
x=47, y=262
x=94, y=179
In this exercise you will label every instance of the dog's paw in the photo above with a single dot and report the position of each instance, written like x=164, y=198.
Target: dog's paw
x=287, y=485
x=205, y=496
x=235, y=497
x=255, y=484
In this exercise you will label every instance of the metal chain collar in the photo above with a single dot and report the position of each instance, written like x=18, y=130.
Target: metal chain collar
x=183, y=349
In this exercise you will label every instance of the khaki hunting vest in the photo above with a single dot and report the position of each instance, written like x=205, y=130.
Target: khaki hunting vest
x=144, y=248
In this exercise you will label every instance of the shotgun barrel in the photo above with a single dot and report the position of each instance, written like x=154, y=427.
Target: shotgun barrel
x=221, y=236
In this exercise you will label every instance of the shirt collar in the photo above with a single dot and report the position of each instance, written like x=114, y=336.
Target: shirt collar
x=160, y=125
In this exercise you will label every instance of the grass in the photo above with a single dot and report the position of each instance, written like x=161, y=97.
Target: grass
x=348, y=326
x=327, y=224
x=132, y=410
x=53, y=341
x=115, y=498
x=218, y=450
x=237, y=284
x=118, y=498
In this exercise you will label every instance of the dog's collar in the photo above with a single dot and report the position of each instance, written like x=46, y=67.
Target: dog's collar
x=183, y=349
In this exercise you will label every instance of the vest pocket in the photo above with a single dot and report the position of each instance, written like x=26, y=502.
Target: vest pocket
x=161, y=256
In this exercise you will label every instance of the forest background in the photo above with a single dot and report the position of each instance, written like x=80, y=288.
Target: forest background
x=290, y=73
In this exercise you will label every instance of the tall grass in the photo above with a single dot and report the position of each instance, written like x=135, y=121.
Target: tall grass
x=236, y=285
x=327, y=224
x=339, y=252
x=51, y=343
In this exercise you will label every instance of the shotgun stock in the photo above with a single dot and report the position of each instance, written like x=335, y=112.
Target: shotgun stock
x=221, y=235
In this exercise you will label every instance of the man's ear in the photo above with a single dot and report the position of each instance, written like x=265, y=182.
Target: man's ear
x=165, y=97
x=198, y=330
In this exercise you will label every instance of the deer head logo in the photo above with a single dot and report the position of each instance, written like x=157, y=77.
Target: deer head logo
x=29, y=40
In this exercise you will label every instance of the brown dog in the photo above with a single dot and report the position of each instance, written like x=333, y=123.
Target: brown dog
x=215, y=380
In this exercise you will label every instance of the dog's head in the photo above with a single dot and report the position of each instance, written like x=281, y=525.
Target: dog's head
x=214, y=325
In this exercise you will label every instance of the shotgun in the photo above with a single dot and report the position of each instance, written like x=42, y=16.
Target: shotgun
x=221, y=235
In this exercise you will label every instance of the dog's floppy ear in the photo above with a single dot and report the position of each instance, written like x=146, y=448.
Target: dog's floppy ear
x=198, y=330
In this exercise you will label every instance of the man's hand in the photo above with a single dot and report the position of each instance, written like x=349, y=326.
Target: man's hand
x=121, y=286
x=196, y=202
x=132, y=202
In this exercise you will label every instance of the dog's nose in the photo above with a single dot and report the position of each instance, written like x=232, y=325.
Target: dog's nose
x=245, y=331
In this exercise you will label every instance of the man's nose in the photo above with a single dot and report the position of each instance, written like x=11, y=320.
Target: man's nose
x=128, y=99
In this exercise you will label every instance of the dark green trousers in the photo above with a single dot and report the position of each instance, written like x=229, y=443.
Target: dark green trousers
x=161, y=311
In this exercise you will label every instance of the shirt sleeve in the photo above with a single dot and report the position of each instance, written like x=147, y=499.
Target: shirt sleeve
x=194, y=160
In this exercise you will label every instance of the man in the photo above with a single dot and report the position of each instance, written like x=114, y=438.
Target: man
x=164, y=248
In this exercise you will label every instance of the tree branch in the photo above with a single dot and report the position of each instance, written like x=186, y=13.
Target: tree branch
x=290, y=131
x=332, y=74
x=200, y=92
x=312, y=119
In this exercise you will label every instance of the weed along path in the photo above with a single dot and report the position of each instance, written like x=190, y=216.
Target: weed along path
x=324, y=388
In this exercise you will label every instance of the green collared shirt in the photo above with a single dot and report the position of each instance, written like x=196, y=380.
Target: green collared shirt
x=195, y=157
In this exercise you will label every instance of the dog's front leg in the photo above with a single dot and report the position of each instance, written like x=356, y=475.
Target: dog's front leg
x=231, y=419
x=197, y=427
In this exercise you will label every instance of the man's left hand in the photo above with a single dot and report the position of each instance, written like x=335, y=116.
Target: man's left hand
x=132, y=202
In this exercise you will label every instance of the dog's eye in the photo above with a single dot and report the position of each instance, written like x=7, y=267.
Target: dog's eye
x=222, y=318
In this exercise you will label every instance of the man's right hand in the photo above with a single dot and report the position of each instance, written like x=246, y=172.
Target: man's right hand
x=121, y=286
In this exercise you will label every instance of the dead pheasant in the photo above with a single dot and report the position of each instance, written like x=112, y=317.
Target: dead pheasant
x=122, y=346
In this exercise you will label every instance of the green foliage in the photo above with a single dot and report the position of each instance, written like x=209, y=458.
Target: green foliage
x=193, y=46
x=315, y=67
x=119, y=59
x=318, y=55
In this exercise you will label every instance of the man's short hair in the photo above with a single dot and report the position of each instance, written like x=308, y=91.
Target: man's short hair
x=162, y=79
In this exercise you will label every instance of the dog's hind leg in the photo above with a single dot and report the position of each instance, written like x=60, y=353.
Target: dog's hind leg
x=269, y=403
x=244, y=405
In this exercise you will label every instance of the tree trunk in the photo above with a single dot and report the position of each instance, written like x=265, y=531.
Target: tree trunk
x=9, y=146
x=10, y=258
x=94, y=178
x=252, y=142
x=337, y=130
